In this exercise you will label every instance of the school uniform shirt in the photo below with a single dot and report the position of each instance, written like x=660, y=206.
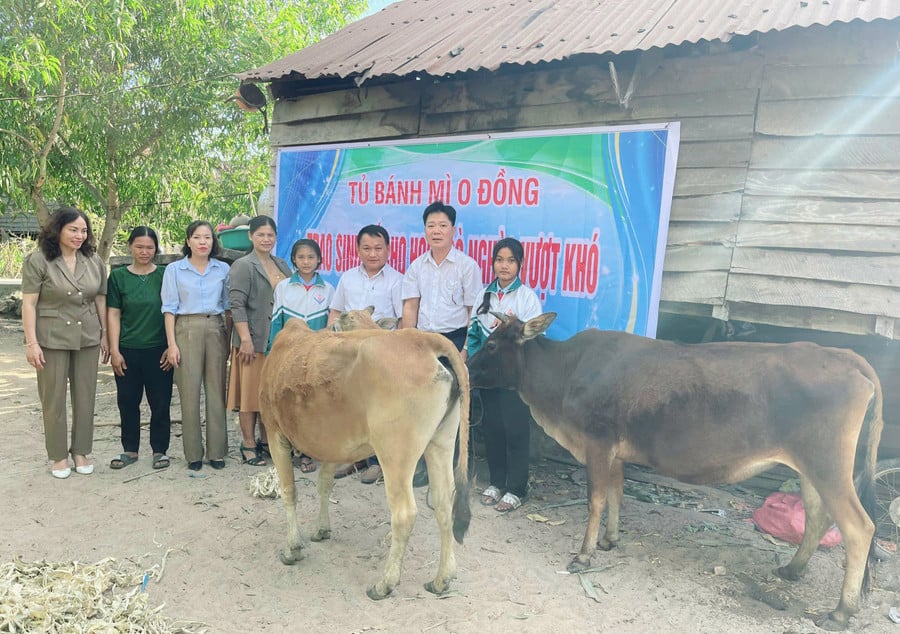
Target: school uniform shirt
x=443, y=290
x=186, y=292
x=66, y=315
x=295, y=298
x=515, y=300
x=356, y=290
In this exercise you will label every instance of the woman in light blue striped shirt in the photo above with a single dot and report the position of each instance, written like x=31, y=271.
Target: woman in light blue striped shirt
x=195, y=304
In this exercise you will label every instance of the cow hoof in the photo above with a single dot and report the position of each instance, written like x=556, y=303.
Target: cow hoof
x=320, y=535
x=578, y=564
x=606, y=546
x=830, y=623
x=290, y=559
x=375, y=595
x=787, y=573
x=434, y=588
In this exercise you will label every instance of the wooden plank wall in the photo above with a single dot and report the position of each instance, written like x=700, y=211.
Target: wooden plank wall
x=820, y=216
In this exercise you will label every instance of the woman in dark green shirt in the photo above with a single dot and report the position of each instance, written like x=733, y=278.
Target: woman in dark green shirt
x=137, y=348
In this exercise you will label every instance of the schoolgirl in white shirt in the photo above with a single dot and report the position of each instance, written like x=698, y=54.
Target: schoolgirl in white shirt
x=507, y=420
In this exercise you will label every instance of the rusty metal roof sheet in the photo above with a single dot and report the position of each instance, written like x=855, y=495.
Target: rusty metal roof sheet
x=443, y=37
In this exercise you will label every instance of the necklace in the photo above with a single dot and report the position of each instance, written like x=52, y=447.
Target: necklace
x=142, y=276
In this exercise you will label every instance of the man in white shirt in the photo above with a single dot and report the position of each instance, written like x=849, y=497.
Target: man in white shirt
x=440, y=287
x=373, y=283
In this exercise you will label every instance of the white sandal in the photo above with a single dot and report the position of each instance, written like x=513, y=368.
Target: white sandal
x=490, y=496
x=511, y=500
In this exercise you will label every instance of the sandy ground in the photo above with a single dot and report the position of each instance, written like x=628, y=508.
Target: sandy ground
x=679, y=568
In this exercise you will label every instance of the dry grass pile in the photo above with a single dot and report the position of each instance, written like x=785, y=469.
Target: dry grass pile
x=265, y=485
x=68, y=597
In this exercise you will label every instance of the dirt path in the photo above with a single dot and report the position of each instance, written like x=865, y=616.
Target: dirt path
x=678, y=567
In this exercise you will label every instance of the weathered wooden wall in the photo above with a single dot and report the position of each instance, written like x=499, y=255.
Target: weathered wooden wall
x=786, y=207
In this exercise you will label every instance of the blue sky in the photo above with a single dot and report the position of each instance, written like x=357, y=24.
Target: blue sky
x=378, y=5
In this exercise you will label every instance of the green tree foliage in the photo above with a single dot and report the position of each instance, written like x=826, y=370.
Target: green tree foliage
x=121, y=106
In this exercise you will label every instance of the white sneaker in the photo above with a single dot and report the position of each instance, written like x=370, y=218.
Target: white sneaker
x=62, y=474
x=87, y=469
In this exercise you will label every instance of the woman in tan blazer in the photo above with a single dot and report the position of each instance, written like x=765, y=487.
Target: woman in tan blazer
x=64, y=318
x=252, y=279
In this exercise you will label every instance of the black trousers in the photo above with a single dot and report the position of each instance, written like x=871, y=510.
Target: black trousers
x=144, y=374
x=507, y=438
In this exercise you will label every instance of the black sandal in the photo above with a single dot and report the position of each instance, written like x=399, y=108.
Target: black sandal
x=122, y=461
x=256, y=460
x=262, y=449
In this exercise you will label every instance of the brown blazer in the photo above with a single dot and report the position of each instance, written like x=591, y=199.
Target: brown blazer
x=66, y=313
x=250, y=294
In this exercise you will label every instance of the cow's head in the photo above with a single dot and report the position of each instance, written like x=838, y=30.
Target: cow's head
x=499, y=362
x=362, y=320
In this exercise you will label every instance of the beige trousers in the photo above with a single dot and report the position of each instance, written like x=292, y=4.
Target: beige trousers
x=78, y=369
x=204, y=350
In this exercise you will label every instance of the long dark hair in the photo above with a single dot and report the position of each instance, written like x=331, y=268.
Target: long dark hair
x=191, y=228
x=48, y=240
x=144, y=232
x=518, y=253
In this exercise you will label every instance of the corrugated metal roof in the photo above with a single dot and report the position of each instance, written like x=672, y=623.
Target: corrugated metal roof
x=443, y=37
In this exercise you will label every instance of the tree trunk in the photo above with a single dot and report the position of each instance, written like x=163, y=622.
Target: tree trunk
x=114, y=211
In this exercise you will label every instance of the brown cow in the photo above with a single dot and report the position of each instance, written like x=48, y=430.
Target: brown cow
x=705, y=413
x=342, y=396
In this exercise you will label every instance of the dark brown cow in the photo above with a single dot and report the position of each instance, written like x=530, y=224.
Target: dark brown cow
x=342, y=396
x=705, y=413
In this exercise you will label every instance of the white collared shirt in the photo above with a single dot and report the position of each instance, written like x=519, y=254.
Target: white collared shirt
x=444, y=291
x=356, y=290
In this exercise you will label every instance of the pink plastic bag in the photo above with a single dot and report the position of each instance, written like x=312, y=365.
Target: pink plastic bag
x=782, y=516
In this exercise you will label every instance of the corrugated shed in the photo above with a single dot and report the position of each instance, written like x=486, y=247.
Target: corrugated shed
x=19, y=223
x=444, y=37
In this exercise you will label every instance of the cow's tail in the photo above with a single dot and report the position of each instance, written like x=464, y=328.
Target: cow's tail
x=870, y=436
x=462, y=514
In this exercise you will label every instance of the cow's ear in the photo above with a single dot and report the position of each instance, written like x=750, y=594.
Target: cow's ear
x=369, y=309
x=388, y=323
x=537, y=326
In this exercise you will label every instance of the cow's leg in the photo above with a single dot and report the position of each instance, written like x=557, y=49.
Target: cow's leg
x=817, y=523
x=324, y=486
x=398, y=474
x=598, y=468
x=615, y=491
x=280, y=448
x=857, y=530
x=439, y=460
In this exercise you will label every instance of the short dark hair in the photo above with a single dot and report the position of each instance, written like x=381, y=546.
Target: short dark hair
x=307, y=242
x=144, y=232
x=48, y=239
x=257, y=222
x=375, y=231
x=438, y=207
x=191, y=229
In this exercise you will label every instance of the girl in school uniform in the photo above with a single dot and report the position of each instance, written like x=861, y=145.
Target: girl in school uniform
x=304, y=295
x=507, y=420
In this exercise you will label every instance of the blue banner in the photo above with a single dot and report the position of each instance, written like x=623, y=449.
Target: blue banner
x=591, y=207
